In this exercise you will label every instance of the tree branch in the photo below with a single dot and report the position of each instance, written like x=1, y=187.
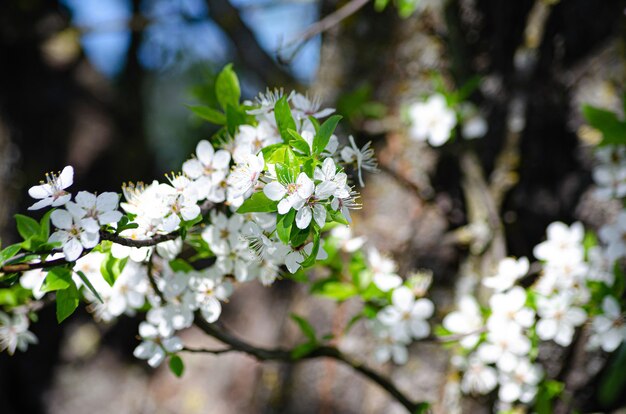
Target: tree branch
x=321, y=351
x=250, y=52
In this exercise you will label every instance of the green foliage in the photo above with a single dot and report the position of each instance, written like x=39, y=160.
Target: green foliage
x=613, y=382
x=9, y=252
x=613, y=129
x=548, y=391
x=284, y=119
x=335, y=290
x=181, y=265
x=87, y=283
x=35, y=234
x=227, y=88
x=58, y=278
x=67, y=302
x=305, y=326
x=208, y=114
x=284, y=224
x=406, y=8
x=324, y=133
x=359, y=105
x=258, y=203
x=176, y=365
x=111, y=268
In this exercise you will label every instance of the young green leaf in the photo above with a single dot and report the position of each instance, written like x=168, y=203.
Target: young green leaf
x=325, y=131
x=67, y=302
x=58, y=278
x=44, y=226
x=27, y=227
x=305, y=326
x=258, y=203
x=227, y=88
x=284, y=119
x=8, y=252
x=176, y=365
x=208, y=114
x=87, y=283
x=303, y=350
x=284, y=224
x=298, y=142
x=613, y=130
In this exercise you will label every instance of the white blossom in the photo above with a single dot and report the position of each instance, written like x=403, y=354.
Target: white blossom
x=72, y=236
x=520, y=383
x=407, y=316
x=384, y=270
x=432, y=121
x=564, y=244
x=478, y=378
x=154, y=347
x=609, y=328
x=290, y=195
x=466, y=321
x=509, y=271
x=14, y=333
x=558, y=318
x=362, y=159
x=52, y=191
x=95, y=211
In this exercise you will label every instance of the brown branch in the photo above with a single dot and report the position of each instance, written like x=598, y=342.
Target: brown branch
x=322, y=25
x=124, y=241
x=225, y=15
x=320, y=351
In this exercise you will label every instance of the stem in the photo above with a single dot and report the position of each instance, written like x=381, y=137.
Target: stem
x=321, y=351
x=124, y=241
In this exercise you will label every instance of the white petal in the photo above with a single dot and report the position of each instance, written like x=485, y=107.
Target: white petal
x=61, y=219
x=319, y=214
x=305, y=186
x=303, y=217
x=66, y=177
x=274, y=191
x=89, y=240
x=403, y=298
x=61, y=200
x=41, y=203
x=423, y=308
x=107, y=201
x=85, y=199
x=221, y=159
x=40, y=191
x=72, y=249
x=211, y=309
x=204, y=152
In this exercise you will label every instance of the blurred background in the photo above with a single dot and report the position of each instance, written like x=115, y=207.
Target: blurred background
x=101, y=85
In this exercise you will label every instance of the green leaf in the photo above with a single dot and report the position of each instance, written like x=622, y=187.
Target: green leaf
x=181, y=265
x=67, y=302
x=258, y=203
x=227, y=88
x=284, y=119
x=208, y=114
x=298, y=236
x=548, y=391
x=305, y=326
x=613, y=381
x=613, y=130
x=310, y=260
x=9, y=252
x=111, y=268
x=176, y=365
x=298, y=142
x=303, y=350
x=323, y=135
x=58, y=278
x=338, y=291
x=44, y=226
x=284, y=224
x=27, y=227
x=87, y=283
x=234, y=117
x=407, y=7
x=379, y=5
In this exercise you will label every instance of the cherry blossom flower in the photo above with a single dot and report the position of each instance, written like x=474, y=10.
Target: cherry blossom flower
x=478, y=378
x=564, y=244
x=558, y=318
x=612, y=235
x=52, y=192
x=384, y=270
x=467, y=321
x=208, y=294
x=509, y=271
x=72, y=236
x=609, y=328
x=520, y=383
x=290, y=195
x=504, y=346
x=388, y=346
x=155, y=347
x=406, y=315
x=432, y=121
x=207, y=161
x=95, y=211
x=245, y=176
x=509, y=310
x=296, y=256
x=303, y=107
x=14, y=333
x=362, y=159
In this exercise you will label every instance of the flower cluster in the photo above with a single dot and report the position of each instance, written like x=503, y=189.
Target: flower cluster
x=435, y=119
x=254, y=201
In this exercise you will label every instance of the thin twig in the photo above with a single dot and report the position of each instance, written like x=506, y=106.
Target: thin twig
x=321, y=26
x=321, y=351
